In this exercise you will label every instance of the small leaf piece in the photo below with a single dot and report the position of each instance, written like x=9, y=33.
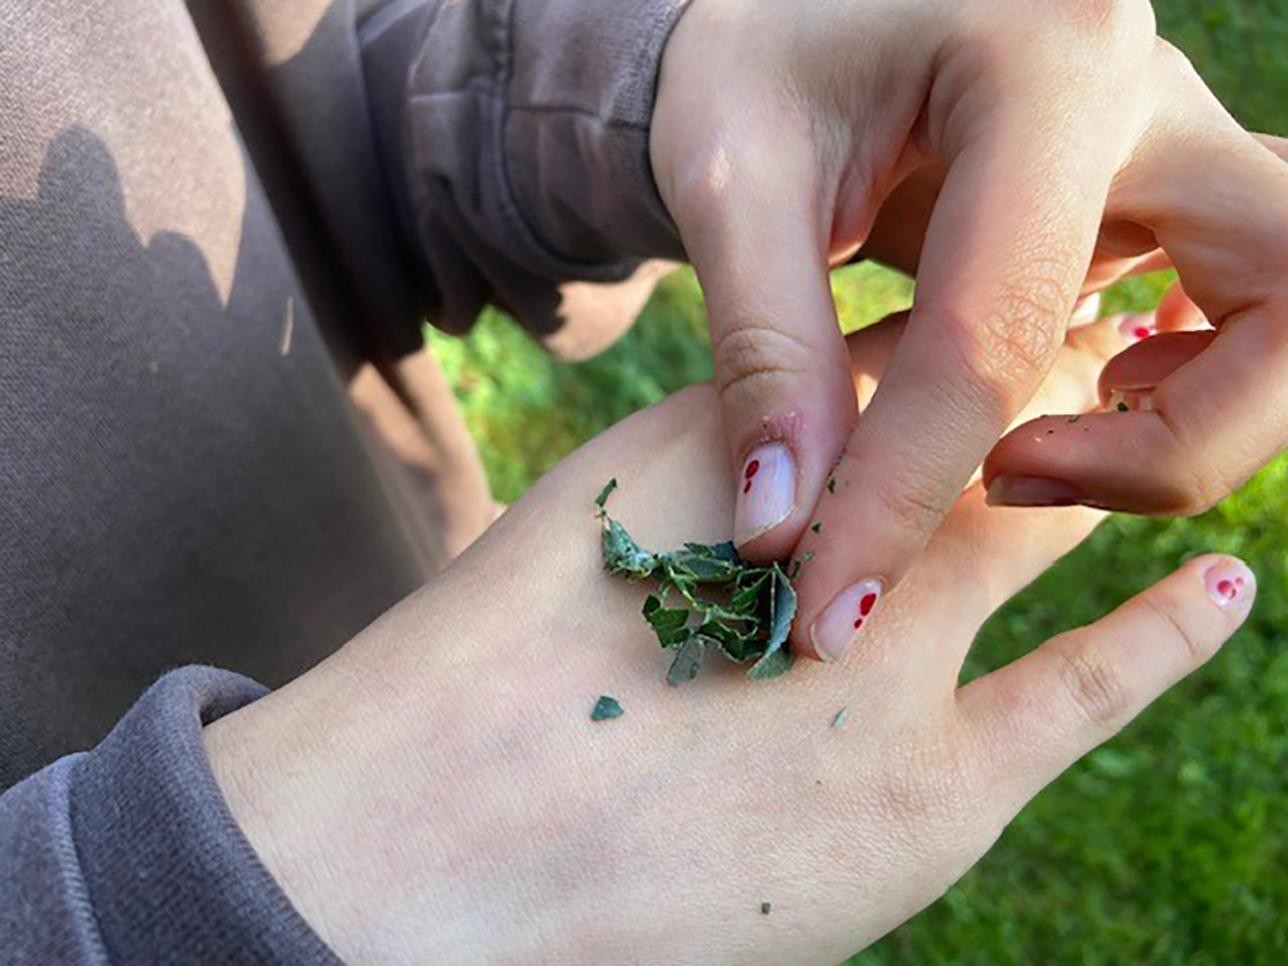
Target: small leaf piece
x=605, y=492
x=606, y=708
x=668, y=623
x=688, y=661
x=622, y=555
x=777, y=658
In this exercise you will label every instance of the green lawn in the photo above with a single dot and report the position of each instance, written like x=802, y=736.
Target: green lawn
x=1169, y=844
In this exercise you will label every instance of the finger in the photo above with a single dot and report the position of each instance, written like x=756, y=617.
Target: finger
x=1003, y=264
x=1277, y=145
x=1001, y=551
x=1178, y=313
x=1220, y=207
x=1141, y=369
x=1035, y=717
x=786, y=396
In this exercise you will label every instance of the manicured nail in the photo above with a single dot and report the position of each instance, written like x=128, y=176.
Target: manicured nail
x=1230, y=583
x=1031, y=491
x=766, y=491
x=1134, y=328
x=843, y=620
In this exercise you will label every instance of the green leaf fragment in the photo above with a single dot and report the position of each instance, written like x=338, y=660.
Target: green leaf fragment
x=777, y=658
x=668, y=623
x=719, y=600
x=831, y=484
x=841, y=715
x=606, y=708
x=605, y=492
x=688, y=661
x=816, y=527
x=622, y=555
x=766, y=908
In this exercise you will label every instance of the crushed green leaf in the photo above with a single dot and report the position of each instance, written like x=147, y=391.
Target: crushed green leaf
x=831, y=484
x=606, y=708
x=816, y=527
x=841, y=715
x=766, y=908
x=707, y=597
x=606, y=492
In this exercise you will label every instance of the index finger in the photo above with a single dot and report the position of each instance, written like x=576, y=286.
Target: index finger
x=1006, y=253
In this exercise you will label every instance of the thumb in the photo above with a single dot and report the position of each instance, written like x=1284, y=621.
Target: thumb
x=781, y=366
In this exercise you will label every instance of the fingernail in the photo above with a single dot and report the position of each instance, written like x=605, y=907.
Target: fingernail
x=1087, y=310
x=1031, y=491
x=1230, y=583
x=843, y=620
x=1134, y=328
x=766, y=491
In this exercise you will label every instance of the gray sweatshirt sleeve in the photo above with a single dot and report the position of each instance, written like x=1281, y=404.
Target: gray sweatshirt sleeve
x=128, y=853
x=525, y=150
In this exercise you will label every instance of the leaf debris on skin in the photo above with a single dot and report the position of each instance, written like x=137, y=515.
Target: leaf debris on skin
x=816, y=527
x=766, y=908
x=606, y=708
x=839, y=720
x=706, y=597
x=831, y=484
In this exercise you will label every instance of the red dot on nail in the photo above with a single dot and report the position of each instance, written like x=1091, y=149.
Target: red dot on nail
x=1226, y=589
x=1141, y=332
x=752, y=469
x=867, y=603
x=746, y=487
x=858, y=623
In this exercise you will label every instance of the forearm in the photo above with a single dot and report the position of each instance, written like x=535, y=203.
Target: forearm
x=526, y=150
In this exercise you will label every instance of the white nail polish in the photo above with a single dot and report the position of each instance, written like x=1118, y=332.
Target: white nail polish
x=843, y=620
x=766, y=491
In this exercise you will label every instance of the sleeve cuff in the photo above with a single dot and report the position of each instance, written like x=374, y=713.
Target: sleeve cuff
x=167, y=870
x=527, y=145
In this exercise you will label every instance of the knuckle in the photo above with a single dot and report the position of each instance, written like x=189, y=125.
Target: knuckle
x=753, y=359
x=1193, y=486
x=1172, y=61
x=1094, y=684
x=1197, y=648
x=1009, y=351
x=915, y=507
x=1099, y=16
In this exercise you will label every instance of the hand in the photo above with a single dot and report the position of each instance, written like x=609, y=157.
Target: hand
x=436, y=793
x=1046, y=150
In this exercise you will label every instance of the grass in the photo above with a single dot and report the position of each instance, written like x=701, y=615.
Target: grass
x=1167, y=845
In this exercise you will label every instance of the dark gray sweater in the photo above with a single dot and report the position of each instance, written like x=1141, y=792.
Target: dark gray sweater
x=128, y=854
x=210, y=216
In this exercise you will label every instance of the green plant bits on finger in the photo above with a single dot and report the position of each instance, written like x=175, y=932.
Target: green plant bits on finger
x=707, y=598
x=606, y=708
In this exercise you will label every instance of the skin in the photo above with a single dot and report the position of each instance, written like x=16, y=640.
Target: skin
x=1015, y=156
x=436, y=792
